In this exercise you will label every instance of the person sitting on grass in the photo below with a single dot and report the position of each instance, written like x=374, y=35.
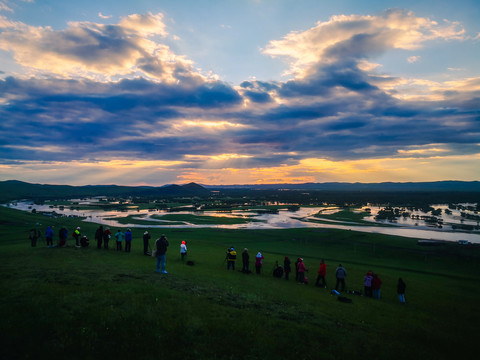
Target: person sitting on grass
x=277, y=270
x=84, y=241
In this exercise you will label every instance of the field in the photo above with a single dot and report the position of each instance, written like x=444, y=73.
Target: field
x=91, y=304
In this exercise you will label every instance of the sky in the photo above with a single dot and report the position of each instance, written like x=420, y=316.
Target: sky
x=153, y=92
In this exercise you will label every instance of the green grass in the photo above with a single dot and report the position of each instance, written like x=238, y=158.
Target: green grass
x=138, y=220
x=92, y=304
x=346, y=216
x=204, y=219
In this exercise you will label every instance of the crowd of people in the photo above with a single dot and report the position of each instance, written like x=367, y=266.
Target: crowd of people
x=102, y=237
x=372, y=281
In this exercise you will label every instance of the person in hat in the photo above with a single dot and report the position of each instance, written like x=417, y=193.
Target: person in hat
x=231, y=258
x=76, y=235
x=146, y=242
x=301, y=271
x=259, y=262
x=183, y=249
x=106, y=237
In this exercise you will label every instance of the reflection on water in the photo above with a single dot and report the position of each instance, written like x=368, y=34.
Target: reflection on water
x=284, y=219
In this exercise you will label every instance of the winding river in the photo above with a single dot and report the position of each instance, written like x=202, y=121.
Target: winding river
x=284, y=219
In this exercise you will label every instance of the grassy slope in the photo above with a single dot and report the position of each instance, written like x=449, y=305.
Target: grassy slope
x=91, y=303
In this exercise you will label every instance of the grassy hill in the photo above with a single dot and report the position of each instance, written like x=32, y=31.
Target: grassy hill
x=14, y=190
x=92, y=304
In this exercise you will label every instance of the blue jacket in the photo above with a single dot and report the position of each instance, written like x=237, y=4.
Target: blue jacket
x=49, y=232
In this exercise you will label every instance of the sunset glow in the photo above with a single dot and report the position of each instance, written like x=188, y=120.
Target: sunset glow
x=155, y=93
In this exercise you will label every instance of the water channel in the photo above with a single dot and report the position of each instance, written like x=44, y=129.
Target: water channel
x=284, y=219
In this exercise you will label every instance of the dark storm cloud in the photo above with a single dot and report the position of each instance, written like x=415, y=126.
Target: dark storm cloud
x=334, y=110
x=137, y=118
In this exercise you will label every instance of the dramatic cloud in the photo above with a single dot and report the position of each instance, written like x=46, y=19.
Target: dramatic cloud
x=358, y=37
x=114, y=104
x=98, y=51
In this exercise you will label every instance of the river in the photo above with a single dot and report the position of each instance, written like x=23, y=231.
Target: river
x=284, y=219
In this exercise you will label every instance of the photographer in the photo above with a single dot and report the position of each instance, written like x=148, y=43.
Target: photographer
x=231, y=258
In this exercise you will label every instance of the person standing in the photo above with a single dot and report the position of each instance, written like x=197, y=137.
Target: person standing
x=146, y=242
x=231, y=258
x=128, y=240
x=245, y=261
x=33, y=236
x=76, y=235
x=106, y=237
x=62, y=237
x=401, y=286
x=367, y=282
x=376, y=286
x=296, y=269
x=183, y=250
x=340, y=274
x=301, y=271
x=161, y=245
x=287, y=267
x=49, y=236
x=259, y=262
x=119, y=239
x=99, y=236
x=322, y=272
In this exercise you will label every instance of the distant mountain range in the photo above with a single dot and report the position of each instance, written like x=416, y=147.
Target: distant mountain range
x=473, y=186
x=15, y=190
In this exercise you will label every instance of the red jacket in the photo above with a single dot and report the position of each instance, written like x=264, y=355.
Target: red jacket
x=376, y=283
x=323, y=270
x=301, y=267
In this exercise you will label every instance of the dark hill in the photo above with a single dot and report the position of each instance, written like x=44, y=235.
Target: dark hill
x=15, y=190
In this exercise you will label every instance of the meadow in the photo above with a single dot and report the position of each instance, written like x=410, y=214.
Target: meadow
x=90, y=303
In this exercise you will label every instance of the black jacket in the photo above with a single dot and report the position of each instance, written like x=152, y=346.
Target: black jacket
x=161, y=245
